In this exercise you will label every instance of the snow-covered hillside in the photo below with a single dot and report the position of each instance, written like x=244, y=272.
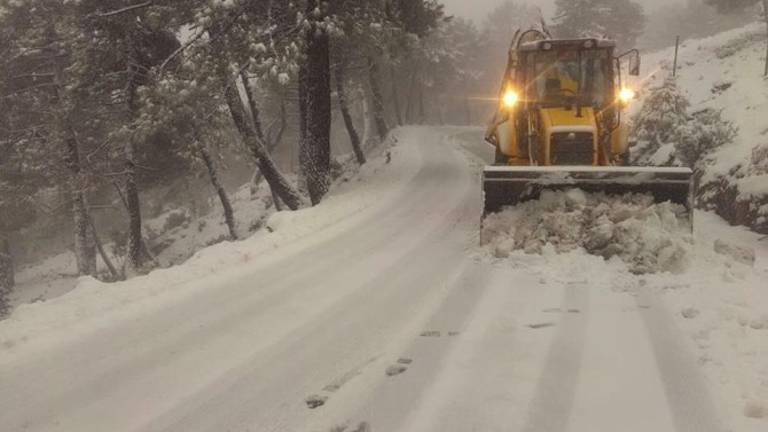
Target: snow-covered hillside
x=724, y=72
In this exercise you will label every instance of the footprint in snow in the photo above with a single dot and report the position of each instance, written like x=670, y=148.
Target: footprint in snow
x=362, y=427
x=315, y=401
x=541, y=325
x=395, y=369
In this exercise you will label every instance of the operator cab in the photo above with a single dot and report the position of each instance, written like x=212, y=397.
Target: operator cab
x=566, y=73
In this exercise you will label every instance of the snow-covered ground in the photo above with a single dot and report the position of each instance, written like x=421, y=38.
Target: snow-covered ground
x=380, y=307
x=714, y=290
x=725, y=72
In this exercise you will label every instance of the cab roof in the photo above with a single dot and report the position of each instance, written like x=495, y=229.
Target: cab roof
x=549, y=44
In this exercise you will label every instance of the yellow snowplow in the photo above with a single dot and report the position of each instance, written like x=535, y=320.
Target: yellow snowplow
x=559, y=125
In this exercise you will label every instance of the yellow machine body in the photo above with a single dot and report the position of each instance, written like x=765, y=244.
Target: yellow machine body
x=560, y=124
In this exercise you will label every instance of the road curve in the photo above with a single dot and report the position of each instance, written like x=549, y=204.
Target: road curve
x=405, y=329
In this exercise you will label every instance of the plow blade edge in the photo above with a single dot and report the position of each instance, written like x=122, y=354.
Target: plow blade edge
x=505, y=186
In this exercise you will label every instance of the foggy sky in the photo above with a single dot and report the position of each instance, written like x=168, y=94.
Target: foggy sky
x=478, y=9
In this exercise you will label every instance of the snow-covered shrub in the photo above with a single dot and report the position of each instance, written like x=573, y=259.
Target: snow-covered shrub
x=705, y=131
x=656, y=127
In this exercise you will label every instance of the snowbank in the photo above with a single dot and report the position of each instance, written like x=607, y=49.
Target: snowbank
x=648, y=237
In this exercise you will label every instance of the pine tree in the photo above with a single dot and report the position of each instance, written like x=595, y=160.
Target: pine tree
x=412, y=23
x=656, y=127
x=667, y=134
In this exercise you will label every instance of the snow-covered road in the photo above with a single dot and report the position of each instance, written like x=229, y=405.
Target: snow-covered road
x=390, y=318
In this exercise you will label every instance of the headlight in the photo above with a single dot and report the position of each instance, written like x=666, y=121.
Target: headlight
x=510, y=98
x=626, y=95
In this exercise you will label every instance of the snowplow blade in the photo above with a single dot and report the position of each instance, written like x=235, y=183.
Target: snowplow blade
x=505, y=186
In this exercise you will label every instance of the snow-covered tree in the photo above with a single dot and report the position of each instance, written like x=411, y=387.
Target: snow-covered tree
x=362, y=30
x=41, y=104
x=656, y=127
x=451, y=66
x=666, y=133
x=413, y=23
x=621, y=20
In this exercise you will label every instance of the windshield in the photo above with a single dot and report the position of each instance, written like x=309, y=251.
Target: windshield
x=561, y=75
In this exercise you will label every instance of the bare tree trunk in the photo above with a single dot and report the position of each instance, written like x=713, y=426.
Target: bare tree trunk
x=378, y=101
x=274, y=141
x=395, y=95
x=100, y=247
x=85, y=251
x=344, y=107
x=229, y=214
x=276, y=138
x=365, y=107
x=277, y=182
x=85, y=248
x=440, y=112
x=302, y=122
x=422, y=112
x=136, y=258
x=7, y=279
x=315, y=148
x=258, y=128
x=255, y=113
x=411, y=98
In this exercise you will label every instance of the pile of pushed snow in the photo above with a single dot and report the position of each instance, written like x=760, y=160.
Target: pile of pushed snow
x=648, y=237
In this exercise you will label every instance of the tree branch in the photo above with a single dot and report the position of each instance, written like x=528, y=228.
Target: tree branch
x=235, y=16
x=124, y=10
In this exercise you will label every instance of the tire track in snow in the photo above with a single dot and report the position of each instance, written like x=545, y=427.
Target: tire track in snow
x=689, y=399
x=552, y=404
